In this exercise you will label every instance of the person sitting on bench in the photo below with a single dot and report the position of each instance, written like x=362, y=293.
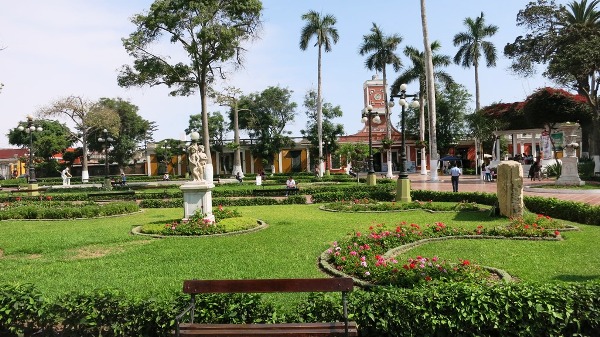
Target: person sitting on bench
x=290, y=184
x=238, y=177
x=352, y=173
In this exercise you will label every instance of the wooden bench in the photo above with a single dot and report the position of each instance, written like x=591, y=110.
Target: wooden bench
x=275, y=191
x=193, y=287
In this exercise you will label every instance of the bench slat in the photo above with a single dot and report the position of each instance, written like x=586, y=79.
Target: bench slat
x=267, y=285
x=270, y=333
x=275, y=326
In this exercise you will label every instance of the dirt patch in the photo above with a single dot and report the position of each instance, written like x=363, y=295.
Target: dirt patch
x=96, y=251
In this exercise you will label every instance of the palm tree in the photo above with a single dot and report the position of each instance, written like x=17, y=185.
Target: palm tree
x=433, y=152
x=382, y=48
x=471, y=45
x=322, y=28
x=417, y=73
x=582, y=14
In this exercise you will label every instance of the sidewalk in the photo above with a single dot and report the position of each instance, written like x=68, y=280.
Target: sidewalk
x=474, y=184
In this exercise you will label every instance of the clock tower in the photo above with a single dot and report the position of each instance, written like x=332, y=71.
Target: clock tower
x=374, y=94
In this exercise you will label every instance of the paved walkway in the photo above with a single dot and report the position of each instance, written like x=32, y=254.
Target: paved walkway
x=473, y=184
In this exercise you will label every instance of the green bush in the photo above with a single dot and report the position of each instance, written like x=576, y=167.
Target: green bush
x=452, y=309
x=64, y=210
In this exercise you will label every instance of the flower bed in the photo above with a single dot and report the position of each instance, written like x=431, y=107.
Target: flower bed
x=367, y=205
x=370, y=256
x=226, y=221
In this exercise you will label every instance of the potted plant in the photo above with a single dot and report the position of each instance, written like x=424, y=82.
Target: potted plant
x=421, y=144
x=387, y=143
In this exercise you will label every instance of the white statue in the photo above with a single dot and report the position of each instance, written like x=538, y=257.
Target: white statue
x=197, y=161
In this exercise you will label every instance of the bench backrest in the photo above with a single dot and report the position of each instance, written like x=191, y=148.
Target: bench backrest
x=268, y=285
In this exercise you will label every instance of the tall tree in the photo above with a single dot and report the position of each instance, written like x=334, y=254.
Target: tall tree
x=471, y=45
x=269, y=113
x=131, y=132
x=88, y=117
x=55, y=138
x=210, y=33
x=417, y=73
x=380, y=50
x=434, y=156
x=322, y=28
x=230, y=97
x=566, y=41
x=330, y=131
x=452, y=107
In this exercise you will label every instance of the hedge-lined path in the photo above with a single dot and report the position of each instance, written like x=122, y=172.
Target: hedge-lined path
x=474, y=184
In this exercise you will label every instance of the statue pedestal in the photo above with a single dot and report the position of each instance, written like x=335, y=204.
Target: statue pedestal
x=569, y=174
x=197, y=197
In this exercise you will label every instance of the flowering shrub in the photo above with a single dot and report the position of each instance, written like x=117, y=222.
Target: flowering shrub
x=362, y=254
x=364, y=204
x=198, y=225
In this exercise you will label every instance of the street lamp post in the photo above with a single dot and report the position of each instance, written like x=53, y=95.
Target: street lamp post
x=370, y=116
x=403, y=185
x=30, y=129
x=106, y=140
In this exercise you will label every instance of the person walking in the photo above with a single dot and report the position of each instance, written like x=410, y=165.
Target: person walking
x=455, y=173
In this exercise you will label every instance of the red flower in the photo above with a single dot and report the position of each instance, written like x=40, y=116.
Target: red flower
x=220, y=207
x=465, y=262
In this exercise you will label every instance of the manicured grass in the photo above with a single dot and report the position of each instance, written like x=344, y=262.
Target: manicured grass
x=63, y=256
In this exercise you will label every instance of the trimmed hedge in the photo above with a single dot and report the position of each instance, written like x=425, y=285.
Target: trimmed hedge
x=452, y=309
x=175, y=203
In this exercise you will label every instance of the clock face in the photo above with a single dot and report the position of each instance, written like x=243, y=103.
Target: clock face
x=377, y=97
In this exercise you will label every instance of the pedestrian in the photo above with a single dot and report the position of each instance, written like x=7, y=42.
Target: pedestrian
x=455, y=173
x=488, y=174
x=123, y=179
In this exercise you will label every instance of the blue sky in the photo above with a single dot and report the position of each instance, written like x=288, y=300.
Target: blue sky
x=59, y=48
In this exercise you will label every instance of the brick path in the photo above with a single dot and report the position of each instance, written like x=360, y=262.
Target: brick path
x=473, y=184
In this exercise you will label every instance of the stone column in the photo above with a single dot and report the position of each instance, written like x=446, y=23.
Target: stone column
x=510, y=188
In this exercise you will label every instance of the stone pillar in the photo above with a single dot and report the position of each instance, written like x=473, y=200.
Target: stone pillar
x=510, y=188
x=197, y=197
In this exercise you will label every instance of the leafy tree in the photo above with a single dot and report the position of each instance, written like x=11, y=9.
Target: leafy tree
x=472, y=47
x=210, y=33
x=88, y=118
x=132, y=131
x=452, y=107
x=355, y=155
x=330, y=131
x=269, y=112
x=165, y=151
x=566, y=41
x=382, y=49
x=55, y=138
x=322, y=28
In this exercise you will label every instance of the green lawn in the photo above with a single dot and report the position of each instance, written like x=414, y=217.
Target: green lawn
x=63, y=256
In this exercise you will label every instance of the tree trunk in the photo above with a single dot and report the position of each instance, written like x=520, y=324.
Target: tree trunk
x=430, y=96
x=320, y=115
x=388, y=125
x=477, y=103
x=422, y=132
x=208, y=169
